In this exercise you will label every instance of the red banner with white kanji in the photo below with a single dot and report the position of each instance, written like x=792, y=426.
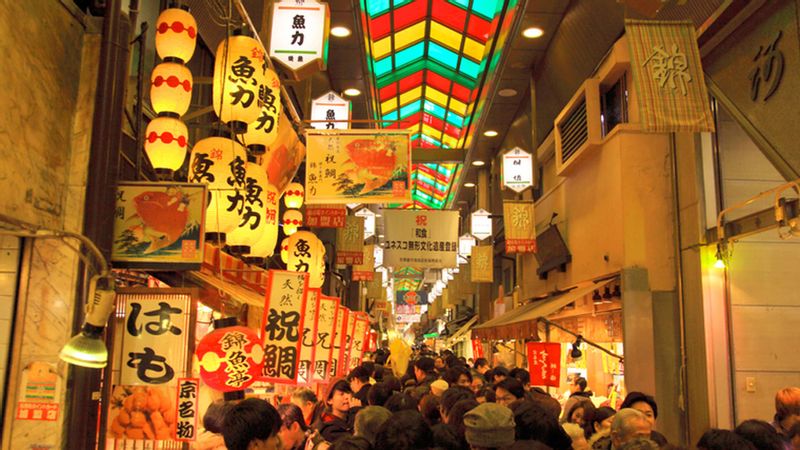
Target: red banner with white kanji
x=477, y=349
x=544, y=363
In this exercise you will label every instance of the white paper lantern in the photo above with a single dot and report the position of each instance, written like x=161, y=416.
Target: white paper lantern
x=239, y=76
x=171, y=88
x=306, y=253
x=165, y=143
x=264, y=247
x=176, y=34
x=255, y=191
x=292, y=220
x=263, y=132
x=285, y=250
x=294, y=195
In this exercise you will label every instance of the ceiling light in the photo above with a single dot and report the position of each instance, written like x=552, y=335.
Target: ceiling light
x=469, y=185
x=378, y=215
x=340, y=31
x=380, y=236
x=352, y=92
x=478, y=163
x=490, y=133
x=533, y=32
x=507, y=92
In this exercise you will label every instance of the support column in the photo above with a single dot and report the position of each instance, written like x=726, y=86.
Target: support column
x=483, y=290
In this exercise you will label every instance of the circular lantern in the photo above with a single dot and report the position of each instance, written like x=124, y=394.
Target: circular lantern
x=176, y=34
x=171, y=88
x=293, y=196
x=230, y=358
x=306, y=253
x=165, y=143
x=285, y=250
x=267, y=231
x=220, y=163
x=255, y=192
x=292, y=220
x=239, y=75
x=263, y=132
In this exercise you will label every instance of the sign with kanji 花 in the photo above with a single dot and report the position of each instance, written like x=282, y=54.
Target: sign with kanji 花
x=519, y=226
x=517, y=169
x=420, y=238
x=325, y=216
x=369, y=221
x=347, y=341
x=330, y=112
x=186, y=425
x=366, y=270
x=282, y=325
x=668, y=76
x=481, y=221
x=340, y=334
x=325, y=331
x=482, y=264
x=155, y=337
x=359, y=341
x=299, y=36
x=544, y=363
x=477, y=348
x=364, y=166
x=308, y=338
x=350, y=242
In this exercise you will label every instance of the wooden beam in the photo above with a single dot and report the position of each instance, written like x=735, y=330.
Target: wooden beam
x=438, y=155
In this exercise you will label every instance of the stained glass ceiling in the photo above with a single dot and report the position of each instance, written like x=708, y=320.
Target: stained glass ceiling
x=428, y=61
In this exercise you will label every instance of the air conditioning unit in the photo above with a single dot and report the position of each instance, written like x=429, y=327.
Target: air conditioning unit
x=578, y=128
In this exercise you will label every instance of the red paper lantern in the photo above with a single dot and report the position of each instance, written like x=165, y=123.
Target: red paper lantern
x=230, y=358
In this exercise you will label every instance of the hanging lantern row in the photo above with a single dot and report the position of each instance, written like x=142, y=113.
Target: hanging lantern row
x=293, y=195
x=306, y=253
x=292, y=220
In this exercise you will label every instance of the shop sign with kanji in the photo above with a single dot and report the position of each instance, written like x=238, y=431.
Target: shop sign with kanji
x=364, y=166
x=421, y=239
x=347, y=342
x=230, y=358
x=186, y=425
x=477, y=348
x=340, y=334
x=481, y=224
x=155, y=337
x=520, y=232
x=350, y=242
x=299, y=36
x=366, y=270
x=325, y=333
x=325, y=216
x=308, y=338
x=330, y=112
x=282, y=325
x=482, y=264
x=359, y=341
x=544, y=363
x=517, y=169
x=369, y=221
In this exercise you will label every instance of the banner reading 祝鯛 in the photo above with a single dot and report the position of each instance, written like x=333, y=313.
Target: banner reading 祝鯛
x=282, y=325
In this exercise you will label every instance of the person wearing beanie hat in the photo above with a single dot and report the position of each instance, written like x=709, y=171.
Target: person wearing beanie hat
x=438, y=387
x=489, y=425
x=336, y=421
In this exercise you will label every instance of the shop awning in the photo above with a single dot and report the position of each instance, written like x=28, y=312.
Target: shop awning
x=235, y=291
x=461, y=332
x=522, y=322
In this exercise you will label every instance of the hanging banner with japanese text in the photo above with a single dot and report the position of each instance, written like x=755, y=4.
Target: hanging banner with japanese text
x=330, y=112
x=482, y=264
x=359, y=341
x=325, y=216
x=350, y=242
x=520, y=231
x=325, y=331
x=544, y=363
x=299, y=36
x=477, y=348
x=668, y=76
x=347, y=341
x=308, y=340
x=230, y=358
x=420, y=238
x=186, y=427
x=340, y=334
x=366, y=270
x=358, y=166
x=155, y=340
x=282, y=324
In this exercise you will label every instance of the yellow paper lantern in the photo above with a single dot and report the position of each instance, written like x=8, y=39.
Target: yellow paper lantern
x=285, y=250
x=220, y=163
x=307, y=254
x=166, y=141
x=176, y=34
x=239, y=75
x=292, y=220
x=263, y=132
x=254, y=204
x=293, y=195
x=264, y=247
x=171, y=88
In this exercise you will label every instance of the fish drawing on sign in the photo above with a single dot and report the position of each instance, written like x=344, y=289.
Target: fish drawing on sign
x=371, y=163
x=159, y=221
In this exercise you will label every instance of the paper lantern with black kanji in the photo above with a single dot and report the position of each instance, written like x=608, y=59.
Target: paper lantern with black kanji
x=239, y=76
x=254, y=203
x=285, y=250
x=264, y=247
x=293, y=195
x=220, y=163
x=176, y=34
x=171, y=88
x=307, y=254
x=263, y=132
x=230, y=358
x=292, y=220
x=166, y=140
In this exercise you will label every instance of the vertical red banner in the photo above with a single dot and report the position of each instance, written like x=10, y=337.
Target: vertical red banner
x=477, y=349
x=544, y=363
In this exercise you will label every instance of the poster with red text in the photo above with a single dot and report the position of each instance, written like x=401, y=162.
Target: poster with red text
x=544, y=363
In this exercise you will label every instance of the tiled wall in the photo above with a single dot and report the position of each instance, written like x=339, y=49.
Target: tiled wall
x=9, y=268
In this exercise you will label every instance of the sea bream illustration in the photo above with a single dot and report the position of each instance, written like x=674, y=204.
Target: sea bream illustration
x=371, y=161
x=161, y=218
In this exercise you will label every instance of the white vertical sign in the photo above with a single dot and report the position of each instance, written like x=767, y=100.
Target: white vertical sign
x=328, y=110
x=369, y=221
x=481, y=224
x=517, y=169
x=299, y=34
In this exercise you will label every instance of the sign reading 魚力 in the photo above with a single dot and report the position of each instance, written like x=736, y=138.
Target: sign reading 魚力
x=299, y=36
x=330, y=112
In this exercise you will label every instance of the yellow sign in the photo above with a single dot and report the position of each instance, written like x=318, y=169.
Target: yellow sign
x=482, y=264
x=519, y=226
x=358, y=166
x=350, y=242
x=366, y=271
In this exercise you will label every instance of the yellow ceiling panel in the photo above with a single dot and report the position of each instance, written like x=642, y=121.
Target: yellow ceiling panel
x=408, y=36
x=382, y=47
x=411, y=95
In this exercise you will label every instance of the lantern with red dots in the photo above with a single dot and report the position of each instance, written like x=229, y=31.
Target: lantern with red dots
x=285, y=250
x=293, y=195
x=176, y=34
x=166, y=141
x=230, y=358
x=292, y=220
x=171, y=88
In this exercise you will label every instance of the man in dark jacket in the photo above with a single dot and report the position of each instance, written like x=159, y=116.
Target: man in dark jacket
x=359, y=383
x=424, y=374
x=336, y=422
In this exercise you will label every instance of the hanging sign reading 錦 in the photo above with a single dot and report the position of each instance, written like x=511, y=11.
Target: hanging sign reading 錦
x=668, y=76
x=350, y=242
x=366, y=270
x=299, y=36
x=159, y=225
x=482, y=264
x=308, y=338
x=367, y=166
x=544, y=363
x=517, y=169
x=282, y=324
x=519, y=227
x=325, y=216
x=420, y=238
x=330, y=112
x=481, y=221
x=155, y=339
x=358, y=342
x=325, y=331
x=340, y=334
x=369, y=221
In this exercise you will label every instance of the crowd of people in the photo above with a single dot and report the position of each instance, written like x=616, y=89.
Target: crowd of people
x=442, y=403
